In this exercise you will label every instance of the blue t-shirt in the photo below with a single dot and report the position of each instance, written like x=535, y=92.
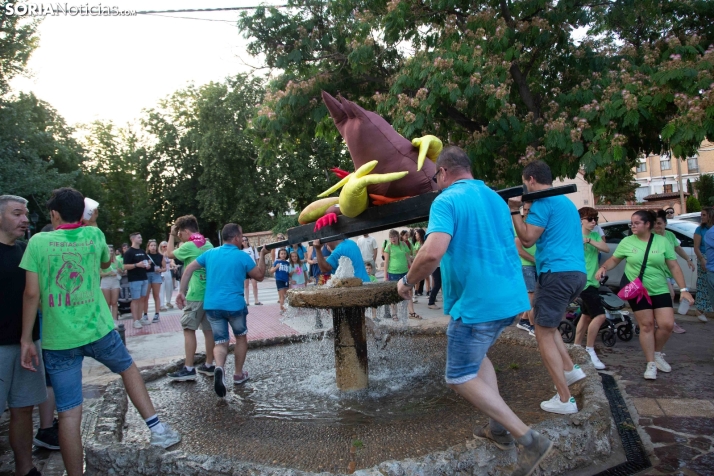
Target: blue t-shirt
x=560, y=247
x=350, y=249
x=708, y=242
x=481, y=275
x=702, y=231
x=226, y=269
x=282, y=273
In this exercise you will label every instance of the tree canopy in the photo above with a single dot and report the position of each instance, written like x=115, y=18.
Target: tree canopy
x=575, y=83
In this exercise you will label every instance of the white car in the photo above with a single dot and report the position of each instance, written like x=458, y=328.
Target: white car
x=615, y=231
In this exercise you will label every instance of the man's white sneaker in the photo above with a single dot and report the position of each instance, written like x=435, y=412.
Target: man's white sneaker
x=661, y=363
x=574, y=375
x=702, y=318
x=651, y=371
x=137, y=324
x=554, y=405
x=594, y=359
x=166, y=439
x=145, y=321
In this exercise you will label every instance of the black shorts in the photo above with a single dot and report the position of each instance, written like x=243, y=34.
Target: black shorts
x=592, y=306
x=658, y=301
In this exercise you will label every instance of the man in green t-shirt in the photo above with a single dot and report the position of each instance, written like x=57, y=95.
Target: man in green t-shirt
x=62, y=276
x=193, y=245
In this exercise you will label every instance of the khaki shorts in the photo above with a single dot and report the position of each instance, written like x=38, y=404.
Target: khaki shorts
x=194, y=316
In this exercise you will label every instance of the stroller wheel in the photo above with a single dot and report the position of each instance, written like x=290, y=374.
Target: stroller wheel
x=625, y=333
x=608, y=338
x=567, y=331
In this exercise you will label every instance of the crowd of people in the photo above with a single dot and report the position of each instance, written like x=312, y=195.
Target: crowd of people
x=69, y=280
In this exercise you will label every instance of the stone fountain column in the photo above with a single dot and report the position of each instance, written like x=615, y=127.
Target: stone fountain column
x=348, y=304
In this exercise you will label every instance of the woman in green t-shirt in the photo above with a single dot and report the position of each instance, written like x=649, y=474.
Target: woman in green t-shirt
x=397, y=258
x=593, y=314
x=659, y=228
x=661, y=258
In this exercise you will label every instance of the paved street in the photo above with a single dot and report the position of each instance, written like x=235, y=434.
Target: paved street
x=675, y=412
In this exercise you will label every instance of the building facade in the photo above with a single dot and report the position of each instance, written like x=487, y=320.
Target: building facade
x=658, y=174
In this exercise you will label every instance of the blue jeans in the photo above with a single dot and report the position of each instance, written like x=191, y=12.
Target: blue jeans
x=138, y=289
x=219, y=321
x=467, y=346
x=65, y=367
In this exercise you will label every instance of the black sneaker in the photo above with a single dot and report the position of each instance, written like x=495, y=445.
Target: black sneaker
x=183, y=375
x=219, y=384
x=155, y=319
x=47, y=438
x=206, y=369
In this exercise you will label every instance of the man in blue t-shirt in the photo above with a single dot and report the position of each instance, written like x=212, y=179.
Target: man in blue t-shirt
x=470, y=234
x=341, y=248
x=227, y=268
x=553, y=224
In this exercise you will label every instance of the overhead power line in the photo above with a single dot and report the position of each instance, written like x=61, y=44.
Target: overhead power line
x=201, y=10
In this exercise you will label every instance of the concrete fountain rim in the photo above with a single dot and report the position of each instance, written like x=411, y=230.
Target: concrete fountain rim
x=106, y=454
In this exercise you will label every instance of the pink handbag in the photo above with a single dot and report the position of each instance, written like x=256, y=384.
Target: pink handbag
x=635, y=289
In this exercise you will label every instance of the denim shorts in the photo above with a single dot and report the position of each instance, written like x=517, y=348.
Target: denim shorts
x=467, y=346
x=281, y=284
x=155, y=278
x=219, y=321
x=529, y=276
x=65, y=367
x=138, y=289
x=395, y=277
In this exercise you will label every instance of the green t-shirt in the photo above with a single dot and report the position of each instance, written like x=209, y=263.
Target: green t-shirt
x=675, y=243
x=398, y=263
x=67, y=263
x=187, y=253
x=531, y=250
x=633, y=249
x=372, y=279
x=120, y=261
x=591, y=263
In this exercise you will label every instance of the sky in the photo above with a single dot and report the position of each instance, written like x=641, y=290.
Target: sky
x=110, y=68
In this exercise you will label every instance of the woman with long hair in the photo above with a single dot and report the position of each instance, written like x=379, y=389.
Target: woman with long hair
x=156, y=260
x=167, y=285
x=109, y=283
x=703, y=302
x=659, y=260
x=397, y=259
x=660, y=229
x=255, y=256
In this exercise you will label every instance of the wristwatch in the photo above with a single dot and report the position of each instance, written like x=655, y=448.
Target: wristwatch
x=517, y=212
x=405, y=282
x=683, y=290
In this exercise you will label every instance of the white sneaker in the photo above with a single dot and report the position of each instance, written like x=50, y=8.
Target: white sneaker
x=594, y=359
x=415, y=299
x=137, y=325
x=651, y=371
x=574, y=375
x=661, y=363
x=702, y=318
x=554, y=405
x=145, y=321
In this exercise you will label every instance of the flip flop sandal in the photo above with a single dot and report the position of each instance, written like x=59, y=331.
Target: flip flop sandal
x=258, y=304
x=395, y=318
x=414, y=315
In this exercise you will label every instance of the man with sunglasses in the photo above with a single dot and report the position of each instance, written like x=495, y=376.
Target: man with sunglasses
x=554, y=225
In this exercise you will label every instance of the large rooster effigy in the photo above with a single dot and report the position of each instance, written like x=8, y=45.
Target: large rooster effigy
x=388, y=167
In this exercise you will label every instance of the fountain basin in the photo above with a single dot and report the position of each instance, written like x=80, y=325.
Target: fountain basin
x=367, y=295
x=291, y=419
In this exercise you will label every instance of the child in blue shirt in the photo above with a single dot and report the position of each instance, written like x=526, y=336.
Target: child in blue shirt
x=281, y=268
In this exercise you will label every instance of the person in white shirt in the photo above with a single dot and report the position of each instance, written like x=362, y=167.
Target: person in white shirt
x=368, y=247
x=253, y=253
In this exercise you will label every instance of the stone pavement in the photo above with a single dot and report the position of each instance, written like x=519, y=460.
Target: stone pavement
x=675, y=412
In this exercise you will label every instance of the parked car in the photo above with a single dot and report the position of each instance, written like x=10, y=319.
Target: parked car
x=693, y=217
x=615, y=231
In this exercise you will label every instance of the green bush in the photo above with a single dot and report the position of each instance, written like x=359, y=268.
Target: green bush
x=705, y=189
x=693, y=204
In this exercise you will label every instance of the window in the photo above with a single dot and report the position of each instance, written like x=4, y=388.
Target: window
x=693, y=164
x=668, y=188
x=684, y=240
x=615, y=233
x=642, y=167
x=665, y=164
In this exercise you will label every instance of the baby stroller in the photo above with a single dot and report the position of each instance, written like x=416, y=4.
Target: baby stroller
x=607, y=330
x=124, y=302
x=625, y=327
